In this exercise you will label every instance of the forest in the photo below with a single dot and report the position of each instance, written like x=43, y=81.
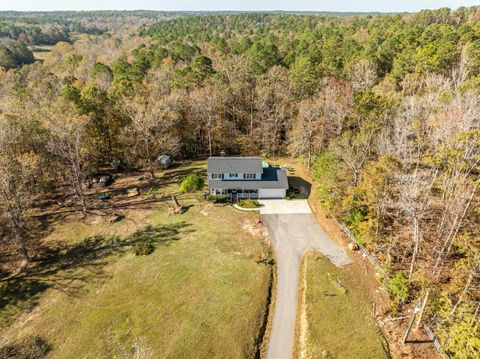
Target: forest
x=384, y=110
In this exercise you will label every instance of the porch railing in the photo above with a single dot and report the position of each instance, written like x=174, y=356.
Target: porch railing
x=247, y=195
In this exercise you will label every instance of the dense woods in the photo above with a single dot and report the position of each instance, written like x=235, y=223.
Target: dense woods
x=385, y=111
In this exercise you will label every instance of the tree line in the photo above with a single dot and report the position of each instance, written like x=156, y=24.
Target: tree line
x=384, y=110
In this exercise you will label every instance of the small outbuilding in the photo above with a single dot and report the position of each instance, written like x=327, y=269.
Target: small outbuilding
x=164, y=161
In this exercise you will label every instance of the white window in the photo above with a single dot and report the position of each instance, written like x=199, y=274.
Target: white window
x=249, y=176
x=217, y=176
x=233, y=175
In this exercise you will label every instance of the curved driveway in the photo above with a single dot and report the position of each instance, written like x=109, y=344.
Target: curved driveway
x=294, y=231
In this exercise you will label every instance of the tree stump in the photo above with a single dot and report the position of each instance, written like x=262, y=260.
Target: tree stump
x=178, y=208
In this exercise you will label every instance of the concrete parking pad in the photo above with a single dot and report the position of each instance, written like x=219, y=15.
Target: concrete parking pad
x=281, y=206
x=294, y=231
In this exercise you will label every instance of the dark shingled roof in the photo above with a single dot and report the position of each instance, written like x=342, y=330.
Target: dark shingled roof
x=272, y=178
x=234, y=165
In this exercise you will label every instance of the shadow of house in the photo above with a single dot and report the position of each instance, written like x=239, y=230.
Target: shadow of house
x=69, y=269
x=304, y=187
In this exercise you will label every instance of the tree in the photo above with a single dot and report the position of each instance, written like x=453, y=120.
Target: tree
x=68, y=134
x=7, y=59
x=304, y=75
x=153, y=127
x=17, y=171
x=354, y=149
x=107, y=119
x=307, y=131
x=274, y=110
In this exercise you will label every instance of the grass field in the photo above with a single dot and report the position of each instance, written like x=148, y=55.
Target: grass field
x=200, y=294
x=41, y=52
x=338, y=313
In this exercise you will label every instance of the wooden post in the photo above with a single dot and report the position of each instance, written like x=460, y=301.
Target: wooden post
x=422, y=309
x=410, y=325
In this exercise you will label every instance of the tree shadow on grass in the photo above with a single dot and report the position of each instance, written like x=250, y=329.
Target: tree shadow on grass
x=71, y=268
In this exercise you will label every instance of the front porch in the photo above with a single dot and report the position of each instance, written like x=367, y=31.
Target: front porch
x=235, y=194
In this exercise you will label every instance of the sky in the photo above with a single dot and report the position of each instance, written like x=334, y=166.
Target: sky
x=239, y=5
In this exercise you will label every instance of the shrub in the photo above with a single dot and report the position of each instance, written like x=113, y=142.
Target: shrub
x=399, y=286
x=290, y=194
x=191, y=183
x=143, y=249
x=248, y=203
x=218, y=198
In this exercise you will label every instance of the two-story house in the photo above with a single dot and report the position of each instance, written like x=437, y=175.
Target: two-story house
x=245, y=177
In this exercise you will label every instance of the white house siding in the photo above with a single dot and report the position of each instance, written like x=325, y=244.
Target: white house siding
x=272, y=193
x=240, y=175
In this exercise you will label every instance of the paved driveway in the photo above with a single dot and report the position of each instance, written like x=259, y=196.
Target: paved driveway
x=294, y=231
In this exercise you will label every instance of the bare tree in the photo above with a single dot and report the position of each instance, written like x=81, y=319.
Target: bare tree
x=274, y=110
x=354, y=149
x=414, y=200
x=67, y=142
x=307, y=130
x=205, y=107
x=154, y=123
x=363, y=75
x=17, y=171
x=338, y=100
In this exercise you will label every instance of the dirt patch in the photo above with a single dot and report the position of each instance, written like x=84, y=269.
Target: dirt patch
x=206, y=210
x=302, y=324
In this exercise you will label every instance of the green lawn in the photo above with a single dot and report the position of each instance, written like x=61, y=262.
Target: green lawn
x=339, y=320
x=200, y=294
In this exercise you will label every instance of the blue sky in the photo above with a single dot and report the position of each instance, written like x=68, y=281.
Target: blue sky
x=302, y=5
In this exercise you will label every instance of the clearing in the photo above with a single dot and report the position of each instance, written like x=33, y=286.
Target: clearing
x=201, y=290
x=40, y=52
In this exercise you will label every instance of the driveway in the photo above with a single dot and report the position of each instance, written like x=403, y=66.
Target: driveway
x=294, y=231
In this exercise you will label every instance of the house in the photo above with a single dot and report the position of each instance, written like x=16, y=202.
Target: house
x=245, y=177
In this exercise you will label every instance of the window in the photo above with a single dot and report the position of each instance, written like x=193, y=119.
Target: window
x=233, y=175
x=217, y=176
x=249, y=176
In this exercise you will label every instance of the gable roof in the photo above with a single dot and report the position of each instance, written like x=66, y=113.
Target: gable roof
x=272, y=178
x=235, y=165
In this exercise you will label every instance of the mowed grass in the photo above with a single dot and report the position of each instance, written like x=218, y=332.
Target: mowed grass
x=200, y=294
x=338, y=313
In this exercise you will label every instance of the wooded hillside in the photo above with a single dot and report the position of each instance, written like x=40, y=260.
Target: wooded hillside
x=385, y=110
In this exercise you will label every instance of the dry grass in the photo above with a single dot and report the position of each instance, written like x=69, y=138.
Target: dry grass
x=338, y=314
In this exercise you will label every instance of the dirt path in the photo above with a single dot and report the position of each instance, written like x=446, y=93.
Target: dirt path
x=294, y=231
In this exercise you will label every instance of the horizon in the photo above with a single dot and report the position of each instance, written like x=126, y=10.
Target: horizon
x=339, y=6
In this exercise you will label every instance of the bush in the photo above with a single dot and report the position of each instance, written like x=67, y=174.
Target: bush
x=191, y=183
x=290, y=194
x=248, y=203
x=218, y=198
x=143, y=249
x=399, y=286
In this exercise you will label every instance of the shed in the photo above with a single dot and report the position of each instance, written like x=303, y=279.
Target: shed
x=164, y=161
